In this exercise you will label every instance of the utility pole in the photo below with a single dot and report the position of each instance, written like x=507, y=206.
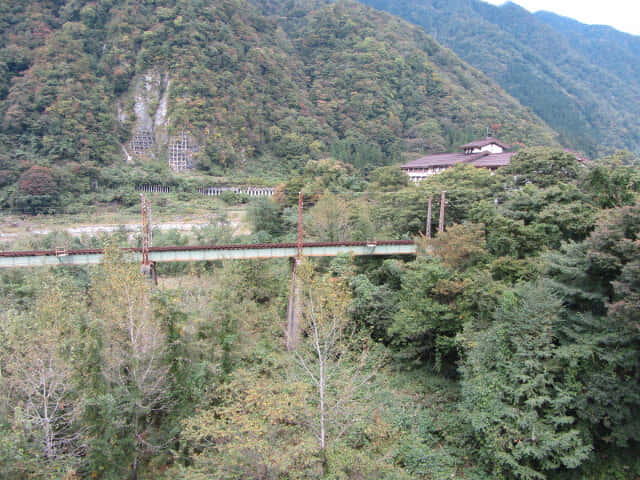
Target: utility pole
x=427, y=229
x=443, y=201
x=300, y=226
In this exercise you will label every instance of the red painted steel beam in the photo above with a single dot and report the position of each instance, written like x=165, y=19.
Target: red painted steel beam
x=32, y=253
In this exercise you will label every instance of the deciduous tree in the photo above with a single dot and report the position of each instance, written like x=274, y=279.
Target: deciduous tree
x=132, y=374
x=37, y=375
x=331, y=357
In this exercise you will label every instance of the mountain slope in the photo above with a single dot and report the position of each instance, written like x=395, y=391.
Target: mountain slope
x=585, y=90
x=234, y=81
x=615, y=51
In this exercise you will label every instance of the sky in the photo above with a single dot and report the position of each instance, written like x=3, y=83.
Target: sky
x=623, y=15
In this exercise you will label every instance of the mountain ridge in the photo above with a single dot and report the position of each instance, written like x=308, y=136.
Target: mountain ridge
x=594, y=106
x=236, y=82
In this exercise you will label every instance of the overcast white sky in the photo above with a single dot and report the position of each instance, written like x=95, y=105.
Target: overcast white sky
x=623, y=15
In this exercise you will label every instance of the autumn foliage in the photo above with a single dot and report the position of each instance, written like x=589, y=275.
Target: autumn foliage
x=38, y=181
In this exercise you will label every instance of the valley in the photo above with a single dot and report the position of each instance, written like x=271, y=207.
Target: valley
x=317, y=240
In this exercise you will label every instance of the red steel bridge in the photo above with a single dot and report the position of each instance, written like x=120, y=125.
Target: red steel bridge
x=148, y=256
x=57, y=257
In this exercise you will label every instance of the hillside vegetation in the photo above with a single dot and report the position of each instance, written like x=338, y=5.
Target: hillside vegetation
x=582, y=81
x=271, y=84
x=508, y=348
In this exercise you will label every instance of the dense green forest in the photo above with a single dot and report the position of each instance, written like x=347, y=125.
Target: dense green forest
x=581, y=80
x=257, y=87
x=508, y=348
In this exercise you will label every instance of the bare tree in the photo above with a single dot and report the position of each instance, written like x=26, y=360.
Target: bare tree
x=332, y=357
x=38, y=376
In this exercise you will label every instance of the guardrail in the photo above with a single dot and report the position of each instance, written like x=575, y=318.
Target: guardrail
x=212, y=191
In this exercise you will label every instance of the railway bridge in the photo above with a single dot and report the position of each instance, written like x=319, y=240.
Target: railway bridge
x=148, y=256
x=59, y=257
x=151, y=255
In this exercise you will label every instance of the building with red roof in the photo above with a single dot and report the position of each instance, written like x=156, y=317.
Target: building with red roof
x=487, y=153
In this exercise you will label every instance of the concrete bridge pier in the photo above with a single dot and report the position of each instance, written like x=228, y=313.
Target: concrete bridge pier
x=149, y=272
x=294, y=310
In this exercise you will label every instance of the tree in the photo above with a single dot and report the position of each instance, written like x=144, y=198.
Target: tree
x=38, y=377
x=331, y=357
x=265, y=215
x=405, y=211
x=331, y=219
x=600, y=281
x=427, y=320
x=461, y=246
x=255, y=430
x=130, y=393
x=37, y=190
x=373, y=306
x=543, y=167
x=554, y=214
x=358, y=152
x=387, y=179
x=465, y=186
x=518, y=399
x=611, y=182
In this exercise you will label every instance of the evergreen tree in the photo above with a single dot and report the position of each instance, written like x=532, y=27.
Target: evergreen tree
x=423, y=329
x=600, y=279
x=519, y=402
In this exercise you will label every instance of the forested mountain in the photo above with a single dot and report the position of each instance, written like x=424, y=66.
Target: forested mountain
x=95, y=83
x=507, y=348
x=615, y=51
x=582, y=80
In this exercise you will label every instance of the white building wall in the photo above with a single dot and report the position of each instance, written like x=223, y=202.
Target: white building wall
x=418, y=174
x=493, y=148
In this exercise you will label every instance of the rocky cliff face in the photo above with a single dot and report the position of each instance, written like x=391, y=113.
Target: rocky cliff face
x=145, y=110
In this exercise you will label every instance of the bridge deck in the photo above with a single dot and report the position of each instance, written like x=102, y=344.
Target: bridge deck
x=212, y=252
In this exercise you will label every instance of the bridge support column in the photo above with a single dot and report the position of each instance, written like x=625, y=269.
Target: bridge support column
x=427, y=228
x=149, y=272
x=294, y=307
x=294, y=311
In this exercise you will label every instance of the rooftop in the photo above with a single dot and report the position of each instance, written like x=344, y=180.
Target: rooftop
x=494, y=160
x=444, y=160
x=484, y=142
x=485, y=158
